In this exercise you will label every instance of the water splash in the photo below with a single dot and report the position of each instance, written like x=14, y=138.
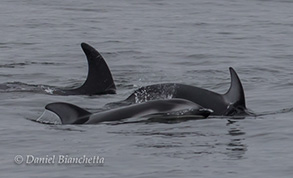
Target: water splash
x=17, y=87
x=48, y=90
x=149, y=93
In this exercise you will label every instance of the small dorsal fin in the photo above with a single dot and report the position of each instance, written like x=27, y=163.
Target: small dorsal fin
x=69, y=113
x=99, y=79
x=235, y=94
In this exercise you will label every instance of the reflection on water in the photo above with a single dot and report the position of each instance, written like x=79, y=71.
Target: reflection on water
x=192, y=142
x=236, y=148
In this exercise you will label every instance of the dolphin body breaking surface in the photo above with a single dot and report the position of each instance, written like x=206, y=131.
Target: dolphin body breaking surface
x=65, y=113
x=232, y=103
x=99, y=79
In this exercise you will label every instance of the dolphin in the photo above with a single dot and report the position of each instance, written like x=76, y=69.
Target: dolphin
x=99, y=79
x=232, y=103
x=65, y=113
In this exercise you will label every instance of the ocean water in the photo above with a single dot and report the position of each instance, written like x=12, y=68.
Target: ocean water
x=146, y=42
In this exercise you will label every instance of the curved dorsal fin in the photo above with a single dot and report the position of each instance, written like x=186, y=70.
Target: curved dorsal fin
x=236, y=93
x=68, y=113
x=99, y=79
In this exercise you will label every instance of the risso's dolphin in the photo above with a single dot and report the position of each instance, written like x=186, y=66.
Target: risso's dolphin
x=65, y=113
x=99, y=79
x=231, y=103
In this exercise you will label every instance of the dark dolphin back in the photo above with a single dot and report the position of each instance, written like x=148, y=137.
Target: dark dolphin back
x=231, y=103
x=203, y=97
x=173, y=108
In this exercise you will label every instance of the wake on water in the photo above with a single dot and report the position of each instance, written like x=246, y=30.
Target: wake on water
x=18, y=87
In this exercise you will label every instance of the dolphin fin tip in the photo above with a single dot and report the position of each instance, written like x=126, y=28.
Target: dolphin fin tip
x=231, y=69
x=84, y=45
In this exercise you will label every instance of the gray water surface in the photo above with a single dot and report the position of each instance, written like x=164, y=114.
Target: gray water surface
x=146, y=42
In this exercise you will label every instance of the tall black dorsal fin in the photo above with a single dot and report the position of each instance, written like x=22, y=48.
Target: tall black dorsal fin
x=235, y=94
x=99, y=79
x=68, y=113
